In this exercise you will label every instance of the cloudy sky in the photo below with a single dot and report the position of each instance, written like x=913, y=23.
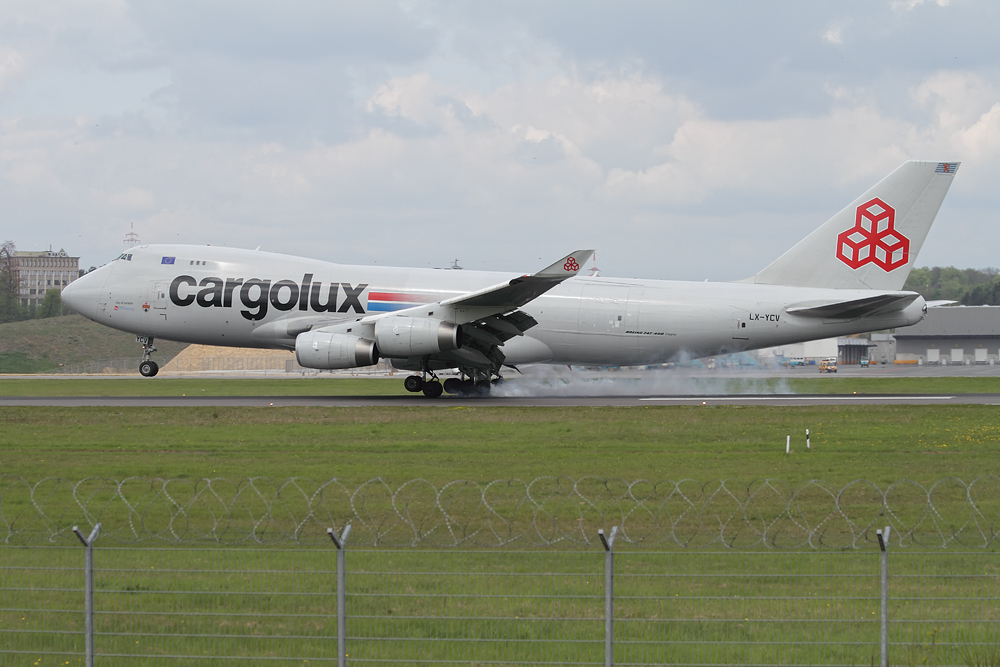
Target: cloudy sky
x=682, y=140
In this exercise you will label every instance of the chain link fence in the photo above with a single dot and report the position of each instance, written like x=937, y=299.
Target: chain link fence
x=262, y=605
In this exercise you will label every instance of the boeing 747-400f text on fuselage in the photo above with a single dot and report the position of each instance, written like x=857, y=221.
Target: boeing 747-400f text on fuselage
x=844, y=278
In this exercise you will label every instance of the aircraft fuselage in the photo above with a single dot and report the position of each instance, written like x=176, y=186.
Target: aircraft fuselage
x=232, y=297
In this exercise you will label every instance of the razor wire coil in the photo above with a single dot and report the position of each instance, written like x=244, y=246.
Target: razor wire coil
x=548, y=511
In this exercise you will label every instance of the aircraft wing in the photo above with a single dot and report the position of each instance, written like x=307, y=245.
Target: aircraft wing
x=519, y=291
x=504, y=297
x=490, y=316
x=855, y=308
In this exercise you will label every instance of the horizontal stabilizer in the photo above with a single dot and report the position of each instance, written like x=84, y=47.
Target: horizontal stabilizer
x=855, y=308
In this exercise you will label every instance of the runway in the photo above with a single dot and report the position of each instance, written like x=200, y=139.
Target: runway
x=419, y=401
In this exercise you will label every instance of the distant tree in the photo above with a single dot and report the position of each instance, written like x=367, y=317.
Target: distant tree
x=11, y=309
x=983, y=295
x=51, y=305
x=947, y=282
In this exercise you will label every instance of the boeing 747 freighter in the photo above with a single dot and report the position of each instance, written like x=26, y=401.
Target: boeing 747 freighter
x=844, y=278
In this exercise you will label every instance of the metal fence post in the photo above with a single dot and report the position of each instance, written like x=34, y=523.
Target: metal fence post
x=883, y=543
x=609, y=594
x=341, y=605
x=88, y=590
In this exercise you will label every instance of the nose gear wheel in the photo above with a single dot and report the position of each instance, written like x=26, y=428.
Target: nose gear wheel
x=147, y=367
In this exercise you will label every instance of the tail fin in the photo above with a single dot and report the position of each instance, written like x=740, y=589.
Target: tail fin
x=873, y=243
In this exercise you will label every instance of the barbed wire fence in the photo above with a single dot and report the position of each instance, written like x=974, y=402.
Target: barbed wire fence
x=551, y=511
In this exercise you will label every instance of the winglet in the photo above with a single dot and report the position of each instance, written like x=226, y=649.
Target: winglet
x=570, y=265
x=519, y=291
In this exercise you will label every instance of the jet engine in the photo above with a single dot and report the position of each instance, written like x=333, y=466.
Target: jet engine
x=321, y=349
x=399, y=336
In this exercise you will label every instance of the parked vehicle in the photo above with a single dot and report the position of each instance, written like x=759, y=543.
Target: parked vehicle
x=864, y=363
x=796, y=361
x=827, y=366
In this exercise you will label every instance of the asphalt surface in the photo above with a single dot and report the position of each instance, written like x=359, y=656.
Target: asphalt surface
x=552, y=388
x=418, y=400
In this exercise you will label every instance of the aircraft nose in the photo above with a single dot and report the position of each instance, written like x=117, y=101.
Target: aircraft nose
x=82, y=294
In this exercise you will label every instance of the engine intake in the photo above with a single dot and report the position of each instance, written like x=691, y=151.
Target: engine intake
x=399, y=336
x=320, y=349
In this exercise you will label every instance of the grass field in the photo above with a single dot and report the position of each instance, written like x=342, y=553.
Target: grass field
x=880, y=443
x=35, y=346
x=431, y=605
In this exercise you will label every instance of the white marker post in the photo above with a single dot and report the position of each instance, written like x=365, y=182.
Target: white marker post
x=788, y=444
x=808, y=446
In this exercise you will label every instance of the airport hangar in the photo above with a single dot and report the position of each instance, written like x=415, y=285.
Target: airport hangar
x=948, y=335
x=952, y=335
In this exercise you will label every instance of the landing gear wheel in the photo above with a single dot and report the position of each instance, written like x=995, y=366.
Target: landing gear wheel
x=433, y=389
x=147, y=367
x=413, y=383
x=468, y=388
x=453, y=386
x=482, y=388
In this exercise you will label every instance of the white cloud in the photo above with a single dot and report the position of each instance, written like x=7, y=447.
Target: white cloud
x=907, y=5
x=833, y=35
x=556, y=162
x=129, y=199
x=11, y=64
x=498, y=135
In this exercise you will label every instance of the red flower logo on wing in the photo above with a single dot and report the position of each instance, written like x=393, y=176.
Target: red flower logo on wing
x=571, y=265
x=874, y=239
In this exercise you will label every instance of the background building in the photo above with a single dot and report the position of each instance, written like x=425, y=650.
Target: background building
x=812, y=352
x=952, y=335
x=40, y=271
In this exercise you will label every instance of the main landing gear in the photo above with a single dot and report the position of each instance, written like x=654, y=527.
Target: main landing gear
x=431, y=388
x=470, y=386
x=147, y=367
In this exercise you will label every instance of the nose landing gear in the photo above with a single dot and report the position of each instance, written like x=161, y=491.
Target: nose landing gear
x=147, y=367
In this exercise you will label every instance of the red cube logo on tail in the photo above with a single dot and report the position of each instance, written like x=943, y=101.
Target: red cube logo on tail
x=874, y=239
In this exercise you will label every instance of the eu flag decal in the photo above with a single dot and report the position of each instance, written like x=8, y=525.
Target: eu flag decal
x=167, y=260
x=946, y=167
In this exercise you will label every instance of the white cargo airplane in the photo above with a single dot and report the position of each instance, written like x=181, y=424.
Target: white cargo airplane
x=844, y=278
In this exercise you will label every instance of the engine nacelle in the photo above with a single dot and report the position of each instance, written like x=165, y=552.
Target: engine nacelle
x=399, y=336
x=320, y=349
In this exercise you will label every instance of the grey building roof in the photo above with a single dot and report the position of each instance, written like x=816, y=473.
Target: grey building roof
x=955, y=321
